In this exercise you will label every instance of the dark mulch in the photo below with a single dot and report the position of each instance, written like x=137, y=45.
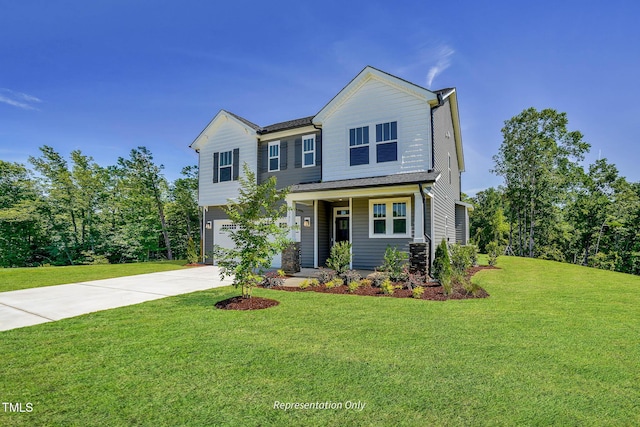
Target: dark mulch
x=239, y=303
x=432, y=290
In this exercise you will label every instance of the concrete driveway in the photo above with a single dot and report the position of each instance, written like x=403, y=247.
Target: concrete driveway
x=39, y=305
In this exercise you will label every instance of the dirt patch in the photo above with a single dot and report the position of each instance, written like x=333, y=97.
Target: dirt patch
x=239, y=303
x=432, y=290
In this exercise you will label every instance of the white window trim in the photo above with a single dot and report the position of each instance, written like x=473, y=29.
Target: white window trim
x=270, y=157
x=313, y=163
x=373, y=144
x=220, y=166
x=389, y=219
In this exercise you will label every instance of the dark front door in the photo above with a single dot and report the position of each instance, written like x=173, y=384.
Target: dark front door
x=342, y=229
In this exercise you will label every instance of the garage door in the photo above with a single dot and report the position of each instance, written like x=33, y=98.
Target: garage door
x=221, y=237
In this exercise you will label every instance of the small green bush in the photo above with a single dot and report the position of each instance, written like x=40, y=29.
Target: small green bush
x=340, y=257
x=192, y=252
x=417, y=292
x=415, y=279
x=387, y=287
x=461, y=258
x=273, y=278
x=334, y=283
x=366, y=282
x=447, y=284
x=306, y=283
x=394, y=262
x=493, y=251
x=353, y=286
x=442, y=262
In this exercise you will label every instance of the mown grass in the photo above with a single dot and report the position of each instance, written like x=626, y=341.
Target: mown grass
x=555, y=344
x=12, y=279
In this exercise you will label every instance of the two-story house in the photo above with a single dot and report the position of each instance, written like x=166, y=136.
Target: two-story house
x=379, y=165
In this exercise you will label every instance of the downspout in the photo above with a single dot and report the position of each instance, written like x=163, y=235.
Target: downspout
x=433, y=133
x=424, y=226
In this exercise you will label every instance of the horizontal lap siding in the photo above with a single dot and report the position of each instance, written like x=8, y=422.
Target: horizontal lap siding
x=226, y=136
x=460, y=225
x=368, y=253
x=306, y=235
x=378, y=102
x=445, y=193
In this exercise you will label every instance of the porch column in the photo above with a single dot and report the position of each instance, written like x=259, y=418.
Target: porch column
x=315, y=234
x=418, y=223
x=291, y=219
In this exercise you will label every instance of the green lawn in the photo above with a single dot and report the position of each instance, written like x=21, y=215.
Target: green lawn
x=12, y=279
x=555, y=344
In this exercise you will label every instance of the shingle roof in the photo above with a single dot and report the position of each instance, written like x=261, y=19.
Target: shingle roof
x=377, y=181
x=245, y=121
x=291, y=124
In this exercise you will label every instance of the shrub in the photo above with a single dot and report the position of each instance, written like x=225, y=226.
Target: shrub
x=365, y=282
x=394, y=262
x=351, y=276
x=273, y=278
x=447, y=285
x=353, y=286
x=192, y=252
x=305, y=284
x=493, y=251
x=387, y=287
x=441, y=262
x=377, y=278
x=461, y=258
x=325, y=275
x=417, y=292
x=340, y=257
x=334, y=283
x=414, y=280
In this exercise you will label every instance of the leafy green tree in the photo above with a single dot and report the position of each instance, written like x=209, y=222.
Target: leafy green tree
x=22, y=236
x=183, y=215
x=537, y=160
x=258, y=237
x=487, y=221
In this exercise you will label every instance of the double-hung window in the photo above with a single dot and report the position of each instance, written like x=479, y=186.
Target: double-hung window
x=359, y=146
x=308, y=151
x=226, y=166
x=386, y=142
x=274, y=156
x=390, y=218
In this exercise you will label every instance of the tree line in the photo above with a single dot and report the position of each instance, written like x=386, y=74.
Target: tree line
x=552, y=205
x=74, y=211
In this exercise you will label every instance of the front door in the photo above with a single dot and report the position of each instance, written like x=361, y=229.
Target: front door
x=341, y=225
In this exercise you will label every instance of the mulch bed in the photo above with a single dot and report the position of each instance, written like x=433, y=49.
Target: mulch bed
x=432, y=290
x=253, y=303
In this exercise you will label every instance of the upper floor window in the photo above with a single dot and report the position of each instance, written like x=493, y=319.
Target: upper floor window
x=308, y=151
x=274, y=156
x=387, y=142
x=226, y=166
x=390, y=217
x=359, y=146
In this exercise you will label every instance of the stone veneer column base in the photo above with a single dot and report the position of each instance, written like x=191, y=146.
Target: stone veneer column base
x=419, y=257
x=291, y=258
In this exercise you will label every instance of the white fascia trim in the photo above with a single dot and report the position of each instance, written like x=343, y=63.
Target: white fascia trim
x=219, y=118
x=286, y=133
x=396, y=190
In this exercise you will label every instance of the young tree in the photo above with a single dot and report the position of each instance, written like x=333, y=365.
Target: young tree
x=257, y=237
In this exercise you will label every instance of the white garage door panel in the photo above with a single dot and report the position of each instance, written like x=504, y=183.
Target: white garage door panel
x=221, y=237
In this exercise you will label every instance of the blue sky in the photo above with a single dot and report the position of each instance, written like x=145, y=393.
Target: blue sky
x=108, y=76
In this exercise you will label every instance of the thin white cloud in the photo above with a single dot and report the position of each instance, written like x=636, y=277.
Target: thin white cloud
x=18, y=99
x=444, y=55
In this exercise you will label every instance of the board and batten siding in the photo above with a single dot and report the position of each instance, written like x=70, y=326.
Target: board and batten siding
x=225, y=136
x=294, y=173
x=446, y=193
x=372, y=103
x=368, y=253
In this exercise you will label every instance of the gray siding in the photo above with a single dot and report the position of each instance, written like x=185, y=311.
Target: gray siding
x=324, y=239
x=446, y=191
x=214, y=212
x=306, y=235
x=460, y=225
x=368, y=253
x=294, y=172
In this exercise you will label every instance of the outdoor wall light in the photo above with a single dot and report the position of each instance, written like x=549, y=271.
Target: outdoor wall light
x=209, y=225
x=307, y=221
